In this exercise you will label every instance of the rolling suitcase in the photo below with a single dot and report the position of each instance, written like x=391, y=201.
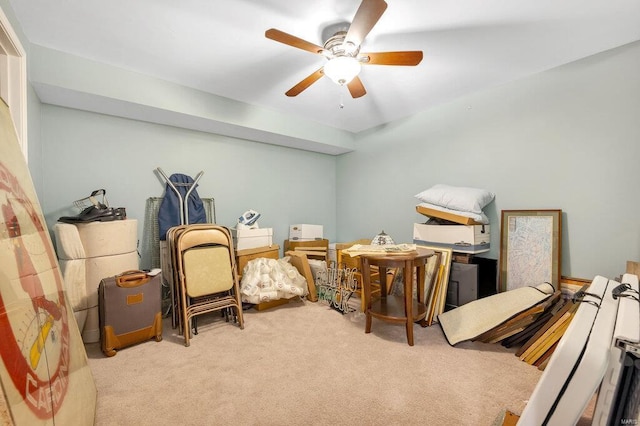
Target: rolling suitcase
x=130, y=310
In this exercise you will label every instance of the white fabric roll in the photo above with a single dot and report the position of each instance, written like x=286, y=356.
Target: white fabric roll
x=74, y=274
x=94, y=239
x=68, y=242
x=109, y=238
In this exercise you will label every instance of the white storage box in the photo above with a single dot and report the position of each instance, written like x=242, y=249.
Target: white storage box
x=459, y=238
x=305, y=232
x=252, y=238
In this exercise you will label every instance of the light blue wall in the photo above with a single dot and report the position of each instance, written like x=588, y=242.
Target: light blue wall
x=564, y=139
x=568, y=138
x=84, y=151
x=33, y=136
x=73, y=152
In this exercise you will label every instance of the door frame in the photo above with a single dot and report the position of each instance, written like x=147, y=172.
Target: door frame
x=13, y=79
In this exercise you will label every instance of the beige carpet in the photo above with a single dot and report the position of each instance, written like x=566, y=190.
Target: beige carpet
x=304, y=363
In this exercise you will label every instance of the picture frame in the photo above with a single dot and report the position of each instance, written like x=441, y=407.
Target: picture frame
x=435, y=296
x=530, y=248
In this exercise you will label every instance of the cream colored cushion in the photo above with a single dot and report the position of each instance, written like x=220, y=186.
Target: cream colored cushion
x=82, y=240
x=87, y=253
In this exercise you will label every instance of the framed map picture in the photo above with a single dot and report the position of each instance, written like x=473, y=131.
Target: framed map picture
x=530, y=248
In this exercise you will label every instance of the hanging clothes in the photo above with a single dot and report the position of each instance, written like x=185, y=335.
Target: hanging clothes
x=170, y=208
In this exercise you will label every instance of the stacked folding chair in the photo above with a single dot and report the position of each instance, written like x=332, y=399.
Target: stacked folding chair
x=203, y=275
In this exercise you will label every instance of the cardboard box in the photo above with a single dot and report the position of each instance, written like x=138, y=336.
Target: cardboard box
x=459, y=238
x=244, y=256
x=252, y=238
x=451, y=217
x=305, y=232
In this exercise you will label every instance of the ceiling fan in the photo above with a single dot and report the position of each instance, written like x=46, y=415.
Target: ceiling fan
x=342, y=50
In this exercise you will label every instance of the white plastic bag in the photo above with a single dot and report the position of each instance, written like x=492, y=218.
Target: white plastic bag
x=265, y=279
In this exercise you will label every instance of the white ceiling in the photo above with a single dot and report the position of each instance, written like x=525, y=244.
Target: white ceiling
x=219, y=46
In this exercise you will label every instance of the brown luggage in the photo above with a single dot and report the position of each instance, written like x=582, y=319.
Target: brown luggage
x=130, y=310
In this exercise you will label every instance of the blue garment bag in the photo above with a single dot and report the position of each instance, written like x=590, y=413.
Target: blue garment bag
x=169, y=212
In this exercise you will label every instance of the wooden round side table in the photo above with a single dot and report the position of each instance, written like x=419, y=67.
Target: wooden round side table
x=402, y=309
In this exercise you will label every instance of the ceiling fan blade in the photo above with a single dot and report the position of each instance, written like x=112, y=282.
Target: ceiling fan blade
x=410, y=57
x=291, y=40
x=365, y=18
x=356, y=88
x=298, y=88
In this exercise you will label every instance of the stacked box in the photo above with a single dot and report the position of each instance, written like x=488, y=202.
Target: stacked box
x=252, y=238
x=459, y=238
x=305, y=232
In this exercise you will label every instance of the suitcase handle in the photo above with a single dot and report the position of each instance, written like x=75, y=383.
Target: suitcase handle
x=132, y=278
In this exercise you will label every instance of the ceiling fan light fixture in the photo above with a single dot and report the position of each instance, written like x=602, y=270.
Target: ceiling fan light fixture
x=342, y=69
x=350, y=49
x=341, y=48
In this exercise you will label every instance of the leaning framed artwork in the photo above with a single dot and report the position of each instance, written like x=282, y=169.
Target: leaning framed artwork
x=530, y=248
x=435, y=296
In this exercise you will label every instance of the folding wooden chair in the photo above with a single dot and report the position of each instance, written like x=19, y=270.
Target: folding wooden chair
x=318, y=249
x=346, y=261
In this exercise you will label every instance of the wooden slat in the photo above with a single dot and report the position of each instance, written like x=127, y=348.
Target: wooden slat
x=519, y=322
x=510, y=419
x=247, y=252
x=633, y=267
x=308, y=247
x=463, y=220
x=271, y=304
x=544, y=357
x=549, y=342
x=565, y=308
x=246, y=255
x=318, y=249
x=548, y=338
x=521, y=338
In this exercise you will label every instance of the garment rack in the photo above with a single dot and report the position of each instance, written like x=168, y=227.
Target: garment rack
x=184, y=220
x=184, y=210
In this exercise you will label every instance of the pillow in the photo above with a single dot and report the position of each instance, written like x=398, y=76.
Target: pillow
x=457, y=198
